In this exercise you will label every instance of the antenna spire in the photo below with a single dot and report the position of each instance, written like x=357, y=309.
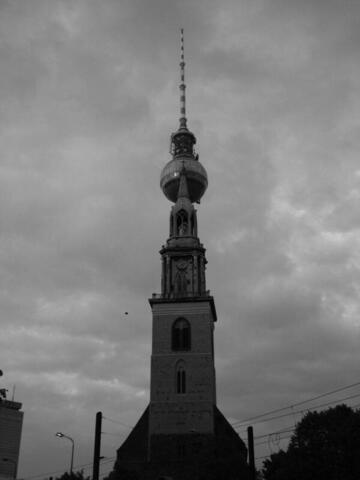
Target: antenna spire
x=182, y=141
x=182, y=85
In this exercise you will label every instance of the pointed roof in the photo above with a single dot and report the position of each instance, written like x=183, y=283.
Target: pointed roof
x=183, y=191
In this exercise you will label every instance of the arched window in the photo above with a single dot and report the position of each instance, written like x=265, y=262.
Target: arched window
x=182, y=223
x=180, y=378
x=171, y=225
x=181, y=335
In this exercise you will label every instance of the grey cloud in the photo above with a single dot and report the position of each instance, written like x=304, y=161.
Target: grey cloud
x=88, y=100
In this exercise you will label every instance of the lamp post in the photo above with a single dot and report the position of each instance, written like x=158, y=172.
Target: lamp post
x=61, y=435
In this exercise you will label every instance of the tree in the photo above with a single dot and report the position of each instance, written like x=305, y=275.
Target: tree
x=73, y=476
x=325, y=446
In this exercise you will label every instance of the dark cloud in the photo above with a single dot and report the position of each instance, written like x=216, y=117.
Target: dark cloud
x=88, y=99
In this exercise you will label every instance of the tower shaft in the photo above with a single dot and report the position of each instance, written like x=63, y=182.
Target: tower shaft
x=182, y=435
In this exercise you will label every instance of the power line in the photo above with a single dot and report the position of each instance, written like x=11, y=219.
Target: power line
x=298, y=411
x=305, y=410
x=276, y=432
x=286, y=430
x=106, y=463
x=116, y=421
x=295, y=404
x=267, y=441
x=113, y=434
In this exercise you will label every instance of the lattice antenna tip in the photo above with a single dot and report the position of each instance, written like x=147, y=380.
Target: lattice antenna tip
x=182, y=82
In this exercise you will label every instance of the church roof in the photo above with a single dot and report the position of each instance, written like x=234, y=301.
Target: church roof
x=135, y=446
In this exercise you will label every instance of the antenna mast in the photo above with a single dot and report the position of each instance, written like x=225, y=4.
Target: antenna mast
x=182, y=85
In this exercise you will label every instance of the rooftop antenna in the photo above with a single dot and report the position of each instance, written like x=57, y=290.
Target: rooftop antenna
x=182, y=85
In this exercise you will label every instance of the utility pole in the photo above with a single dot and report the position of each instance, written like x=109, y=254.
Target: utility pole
x=97, y=446
x=251, y=453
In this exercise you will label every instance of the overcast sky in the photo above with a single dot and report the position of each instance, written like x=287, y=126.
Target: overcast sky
x=88, y=100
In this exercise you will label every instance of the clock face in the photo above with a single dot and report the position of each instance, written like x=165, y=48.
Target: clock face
x=182, y=264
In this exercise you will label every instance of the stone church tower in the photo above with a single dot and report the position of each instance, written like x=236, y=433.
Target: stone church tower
x=182, y=435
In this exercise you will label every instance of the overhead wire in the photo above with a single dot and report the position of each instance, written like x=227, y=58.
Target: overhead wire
x=116, y=421
x=266, y=441
x=235, y=424
x=287, y=430
x=107, y=460
x=297, y=411
x=240, y=422
x=114, y=434
x=284, y=430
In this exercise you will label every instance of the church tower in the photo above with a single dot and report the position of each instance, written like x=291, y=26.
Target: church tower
x=182, y=362
x=182, y=435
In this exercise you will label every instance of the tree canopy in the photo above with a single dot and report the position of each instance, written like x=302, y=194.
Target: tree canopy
x=325, y=446
x=73, y=476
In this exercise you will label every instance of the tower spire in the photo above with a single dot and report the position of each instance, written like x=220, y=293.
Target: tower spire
x=182, y=141
x=183, y=187
x=182, y=386
x=182, y=85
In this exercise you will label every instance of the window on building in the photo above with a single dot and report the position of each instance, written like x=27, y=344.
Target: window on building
x=181, y=451
x=181, y=335
x=180, y=379
x=192, y=224
x=182, y=223
x=171, y=225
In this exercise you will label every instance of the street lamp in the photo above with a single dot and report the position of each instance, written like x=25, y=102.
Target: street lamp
x=61, y=435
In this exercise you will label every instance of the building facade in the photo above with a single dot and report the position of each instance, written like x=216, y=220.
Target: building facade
x=182, y=434
x=11, y=420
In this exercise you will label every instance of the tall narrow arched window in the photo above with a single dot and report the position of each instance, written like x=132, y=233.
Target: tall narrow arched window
x=180, y=378
x=192, y=224
x=181, y=335
x=182, y=223
x=171, y=225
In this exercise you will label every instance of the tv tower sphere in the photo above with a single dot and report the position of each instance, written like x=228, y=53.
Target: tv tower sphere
x=196, y=177
x=182, y=150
